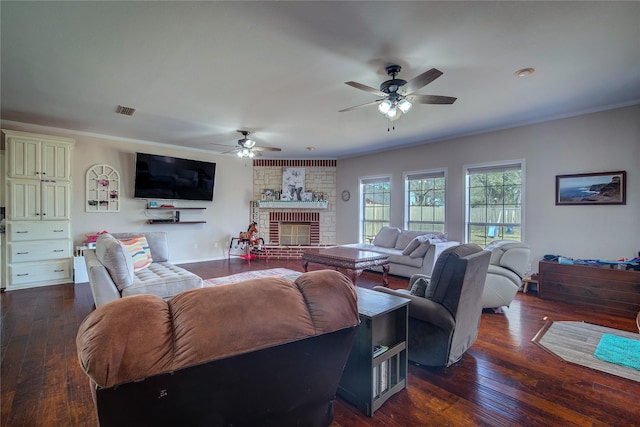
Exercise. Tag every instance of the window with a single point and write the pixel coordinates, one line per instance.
(425, 201)
(494, 197)
(375, 195)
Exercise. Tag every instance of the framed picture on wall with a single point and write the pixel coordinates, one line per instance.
(601, 188)
(292, 183)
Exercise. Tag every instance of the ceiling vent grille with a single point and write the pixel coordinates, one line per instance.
(125, 111)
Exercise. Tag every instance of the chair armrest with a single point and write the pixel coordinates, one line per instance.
(424, 309)
(102, 287)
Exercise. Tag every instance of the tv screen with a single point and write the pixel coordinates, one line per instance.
(164, 177)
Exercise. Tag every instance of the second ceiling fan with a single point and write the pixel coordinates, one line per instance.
(398, 95)
(248, 148)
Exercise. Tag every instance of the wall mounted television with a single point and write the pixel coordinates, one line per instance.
(164, 177)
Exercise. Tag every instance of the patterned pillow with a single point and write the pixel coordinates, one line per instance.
(138, 247)
(419, 287)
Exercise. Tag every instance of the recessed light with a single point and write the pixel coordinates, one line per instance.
(311, 148)
(524, 72)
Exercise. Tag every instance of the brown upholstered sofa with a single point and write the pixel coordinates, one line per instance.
(263, 352)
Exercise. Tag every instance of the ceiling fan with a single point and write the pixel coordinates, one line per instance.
(399, 95)
(247, 147)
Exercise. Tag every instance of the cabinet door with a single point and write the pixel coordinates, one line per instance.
(55, 200)
(24, 158)
(55, 161)
(24, 200)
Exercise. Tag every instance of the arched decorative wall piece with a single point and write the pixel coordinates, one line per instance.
(103, 189)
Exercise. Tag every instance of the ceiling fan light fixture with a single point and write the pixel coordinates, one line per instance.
(249, 143)
(391, 114)
(404, 105)
(385, 106)
(251, 154)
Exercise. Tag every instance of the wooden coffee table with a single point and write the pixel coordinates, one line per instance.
(351, 259)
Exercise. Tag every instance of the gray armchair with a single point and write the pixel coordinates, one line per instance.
(508, 265)
(445, 309)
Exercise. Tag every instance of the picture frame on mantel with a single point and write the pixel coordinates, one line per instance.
(600, 188)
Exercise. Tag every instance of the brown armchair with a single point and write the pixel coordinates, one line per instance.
(445, 309)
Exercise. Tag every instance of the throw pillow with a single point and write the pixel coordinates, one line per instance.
(413, 244)
(138, 247)
(386, 237)
(421, 250)
(419, 287)
(405, 237)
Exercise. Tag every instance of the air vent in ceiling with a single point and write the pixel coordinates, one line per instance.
(125, 111)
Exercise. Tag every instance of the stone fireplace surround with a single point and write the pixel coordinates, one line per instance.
(320, 176)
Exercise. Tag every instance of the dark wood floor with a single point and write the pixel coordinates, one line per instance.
(503, 380)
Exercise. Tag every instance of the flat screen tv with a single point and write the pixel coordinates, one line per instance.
(164, 177)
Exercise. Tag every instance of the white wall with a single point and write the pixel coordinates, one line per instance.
(225, 217)
(598, 142)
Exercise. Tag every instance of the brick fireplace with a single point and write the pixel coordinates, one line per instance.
(277, 219)
(287, 231)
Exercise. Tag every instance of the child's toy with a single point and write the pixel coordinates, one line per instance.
(251, 235)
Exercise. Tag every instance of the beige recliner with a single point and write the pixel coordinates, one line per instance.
(508, 265)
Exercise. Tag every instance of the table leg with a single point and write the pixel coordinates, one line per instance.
(385, 275)
(354, 276)
(305, 265)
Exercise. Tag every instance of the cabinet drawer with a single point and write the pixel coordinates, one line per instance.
(33, 272)
(35, 251)
(38, 230)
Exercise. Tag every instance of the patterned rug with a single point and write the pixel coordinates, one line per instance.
(576, 342)
(257, 274)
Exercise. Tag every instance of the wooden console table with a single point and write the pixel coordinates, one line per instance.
(602, 288)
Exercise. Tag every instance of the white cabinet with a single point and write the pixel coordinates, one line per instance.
(38, 245)
(33, 156)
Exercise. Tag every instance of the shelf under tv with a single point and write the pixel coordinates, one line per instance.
(161, 221)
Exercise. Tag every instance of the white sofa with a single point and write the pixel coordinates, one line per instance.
(410, 252)
(112, 274)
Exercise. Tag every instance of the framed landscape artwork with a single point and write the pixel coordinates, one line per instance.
(602, 188)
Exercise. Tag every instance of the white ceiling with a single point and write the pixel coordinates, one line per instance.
(197, 71)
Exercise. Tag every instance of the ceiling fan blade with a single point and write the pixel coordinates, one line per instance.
(360, 106)
(365, 88)
(420, 81)
(266, 149)
(431, 99)
(235, 150)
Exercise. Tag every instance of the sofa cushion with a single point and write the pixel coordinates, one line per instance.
(414, 244)
(116, 259)
(163, 279)
(387, 237)
(405, 260)
(138, 247)
(405, 237)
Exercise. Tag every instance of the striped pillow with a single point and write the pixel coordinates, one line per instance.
(138, 247)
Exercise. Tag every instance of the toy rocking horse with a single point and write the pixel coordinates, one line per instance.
(251, 235)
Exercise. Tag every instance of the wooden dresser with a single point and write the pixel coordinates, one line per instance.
(601, 287)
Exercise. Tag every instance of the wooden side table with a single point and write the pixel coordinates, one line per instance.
(527, 281)
(369, 380)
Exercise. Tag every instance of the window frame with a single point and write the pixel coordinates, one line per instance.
(427, 173)
(362, 181)
(496, 166)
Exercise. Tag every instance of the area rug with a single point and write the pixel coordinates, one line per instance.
(576, 342)
(620, 350)
(257, 274)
